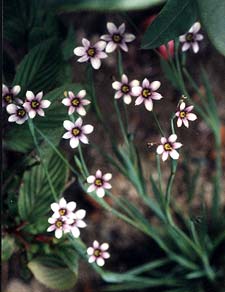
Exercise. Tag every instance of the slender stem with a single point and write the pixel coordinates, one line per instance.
(124, 133)
(157, 123)
(83, 161)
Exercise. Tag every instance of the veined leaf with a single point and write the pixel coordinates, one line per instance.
(212, 18)
(52, 272)
(175, 19)
(8, 247)
(35, 195)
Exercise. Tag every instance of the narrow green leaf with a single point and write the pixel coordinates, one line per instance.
(8, 247)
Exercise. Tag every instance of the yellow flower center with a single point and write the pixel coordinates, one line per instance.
(125, 88)
(91, 52)
(189, 37)
(21, 112)
(62, 212)
(168, 147)
(75, 102)
(8, 98)
(58, 223)
(182, 114)
(98, 182)
(97, 252)
(117, 38)
(76, 132)
(146, 92)
(35, 104)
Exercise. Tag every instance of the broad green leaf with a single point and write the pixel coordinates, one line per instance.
(175, 19)
(8, 247)
(102, 5)
(51, 124)
(35, 195)
(212, 16)
(39, 70)
(53, 273)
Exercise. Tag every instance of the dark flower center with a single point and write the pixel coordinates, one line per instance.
(76, 131)
(98, 182)
(62, 212)
(8, 98)
(91, 52)
(21, 112)
(116, 38)
(97, 252)
(182, 114)
(189, 37)
(146, 92)
(59, 223)
(75, 102)
(35, 104)
(125, 88)
(168, 147)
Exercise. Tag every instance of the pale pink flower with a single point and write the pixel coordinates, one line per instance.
(17, 114)
(76, 102)
(9, 95)
(59, 225)
(34, 104)
(117, 37)
(76, 132)
(77, 222)
(99, 183)
(191, 38)
(168, 147)
(98, 253)
(147, 93)
(63, 209)
(184, 115)
(124, 88)
(92, 53)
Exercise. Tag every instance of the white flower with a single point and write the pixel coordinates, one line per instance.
(92, 53)
(76, 102)
(117, 37)
(17, 114)
(77, 132)
(147, 93)
(99, 183)
(168, 147)
(77, 222)
(34, 104)
(97, 253)
(63, 209)
(184, 115)
(9, 95)
(124, 88)
(191, 38)
(60, 225)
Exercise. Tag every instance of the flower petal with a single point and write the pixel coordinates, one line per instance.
(104, 246)
(81, 224)
(29, 95)
(39, 95)
(182, 106)
(100, 261)
(55, 207)
(81, 93)
(165, 155)
(74, 142)
(107, 176)
(71, 110)
(155, 85)
(96, 244)
(66, 101)
(80, 214)
(100, 192)
(139, 100)
(156, 96)
(91, 179)
(83, 139)
(41, 112)
(107, 186)
(179, 122)
(85, 43)
(172, 138)
(78, 122)
(121, 28)
(98, 174)
(116, 85)
(163, 140)
(110, 47)
(195, 27)
(68, 125)
(81, 111)
(111, 27)
(75, 231)
(105, 255)
(16, 90)
(13, 118)
(191, 116)
(136, 90)
(185, 47)
(124, 79)
(195, 47)
(186, 123)
(177, 145)
(118, 94)
(127, 99)
(148, 104)
(174, 154)
(71, 206)
(106, 37)
(67, 135)
(160, 149)
(79, 51)
(134, 83)
(45, 103)
(32, 113)
(90, 250)
(11, 108)
(85, 58)
(100, 45)
(51, 228)
(96, 63)
(145, 83)
(123, 46)
(87, 129)
(91, 259)
(58, 233)
(129, 37)
(91, 188)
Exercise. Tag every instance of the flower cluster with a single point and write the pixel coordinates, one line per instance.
(93, 53)
(20, 110)
(65, 219)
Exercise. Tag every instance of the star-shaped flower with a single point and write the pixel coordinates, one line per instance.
(117, 38)
(168, 147)
(9, 95)
(76, 102)
(98, 253)
(184, 115)
(99, 183)
(191, 38)
(17, 114)
(92, 53)
(34, 104)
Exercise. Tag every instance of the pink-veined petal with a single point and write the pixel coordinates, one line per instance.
(100, 45)
(32, 113)
(139, 100)
(82, 93)
(124, 79)
(13, 118)
(182, 38)
(71, 110)
(39, 96)
(163, 140)
(134, 83)
(87, 129)
(75, 231)
(104, 246)
(191, 116)
(16, 89)
(106, 37)
(79, 51)
(195, 27)
(96, 244)
(58, 233)
(156, 96)
(96, 63)
(127, 99)
(91, 188)
(21, 121)
(100, 192)
(90, 250)
(185, 47)
(81, 224)
(110, 47)
(105, 255)
(107, 176)
(177, 145)
(186, 123)
(66, 101)
(179, 122)
(29, 95)
(121, 28)
(45, 103)
(100, 261)
(155, 85)
(83, 139)
(91, 179)
(136, 90)
(199, 37)
(5, 89)
(111, 27)
(145, 83)
(107, 186)
(165, 155)
(62, 203)
(172, 138)
(189, 108)
(41, 112)
(80, 214)
(98, 174)
(123, 46)
(182, 106)
(116, 85)
(148, 104)
(85, 43)
(85, 58)
(129, 37)
(11, 108)
(67, 135)
(118, 94)
(51, 228)
(91, 259)
(81, 111)
(78, 122)
(195, 47)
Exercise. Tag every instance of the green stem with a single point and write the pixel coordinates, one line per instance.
(157, 123)
(83, 161)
